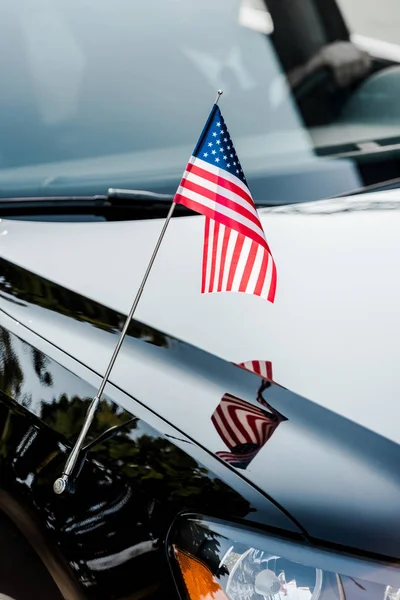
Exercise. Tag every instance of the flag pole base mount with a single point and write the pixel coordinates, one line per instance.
(60, 485)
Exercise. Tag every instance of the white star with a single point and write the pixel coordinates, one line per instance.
(228, 147)
(221, 149)
(222, 131)
(225, 139)
(228, 164)
(234, 163)
(225, 156)
(205, 154)
(210, 144)
(218, 142)
(219, 124)
(217, 160)
(237, 170)
(214, 134)
(214, 152)
(231, 155)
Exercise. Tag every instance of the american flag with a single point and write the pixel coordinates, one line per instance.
(244, 428)
(236, 256)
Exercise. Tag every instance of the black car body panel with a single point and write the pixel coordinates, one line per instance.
(306, 485)
(129, 485)
(80, 114)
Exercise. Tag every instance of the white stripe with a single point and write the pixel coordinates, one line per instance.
(202, 164)
(218, 257)
(220, 208)
(222, 191)
(263, 368)
(244, 257)
(228, 258)
(255, 273)
(249, 365)
(209, 253)
(268, 278)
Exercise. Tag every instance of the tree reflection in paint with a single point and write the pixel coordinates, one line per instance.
(11, 375)
(19, 284)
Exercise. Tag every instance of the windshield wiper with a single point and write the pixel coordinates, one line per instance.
(118, 204)
(382, 186)
(138, 195)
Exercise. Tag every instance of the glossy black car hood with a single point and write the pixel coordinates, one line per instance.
(338, 479)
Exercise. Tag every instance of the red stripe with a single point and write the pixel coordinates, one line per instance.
(269, 370)
(225, 242)
(215, 197)
(214, 256)
(220, 218)
(176, 199)
(261, 277)
(205, 254)
(220, 181)
(234, 261)
(272, 288)
(249, 267)
(256, 367)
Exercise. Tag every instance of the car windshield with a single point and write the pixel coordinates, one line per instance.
(98, 94)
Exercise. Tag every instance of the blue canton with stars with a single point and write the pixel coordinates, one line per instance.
(215, 146)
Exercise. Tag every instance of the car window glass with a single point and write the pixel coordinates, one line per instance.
(115, 94)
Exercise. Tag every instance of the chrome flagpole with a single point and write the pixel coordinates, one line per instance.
(61, 484)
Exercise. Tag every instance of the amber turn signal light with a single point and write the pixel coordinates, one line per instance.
(199, 581)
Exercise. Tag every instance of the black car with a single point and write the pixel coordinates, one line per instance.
(240, 451)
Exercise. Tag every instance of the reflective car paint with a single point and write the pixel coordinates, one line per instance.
(332, 281)
(316, 464)
(108, 533)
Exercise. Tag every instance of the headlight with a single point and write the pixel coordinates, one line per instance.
(217, 561)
